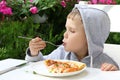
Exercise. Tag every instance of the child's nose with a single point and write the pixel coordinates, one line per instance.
(65, 35)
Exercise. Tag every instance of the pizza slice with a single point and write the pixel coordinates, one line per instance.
(61, 66)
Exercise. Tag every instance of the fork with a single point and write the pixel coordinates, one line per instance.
(45, 41)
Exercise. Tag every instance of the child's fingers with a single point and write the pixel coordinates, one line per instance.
(114, 68)
(105, 67)
(37, 42)
(36, 39)
(108, 67)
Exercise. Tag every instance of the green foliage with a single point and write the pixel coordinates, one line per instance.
(21, 8)
(14, 47)
(45, 4)
(114, 38)
(117, 1)
(20, 24)
(9, 41)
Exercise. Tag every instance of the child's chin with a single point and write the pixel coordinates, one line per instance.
(66, 49)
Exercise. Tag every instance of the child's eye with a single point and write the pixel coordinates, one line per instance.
(72, 31)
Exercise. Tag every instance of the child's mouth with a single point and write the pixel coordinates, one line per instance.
(64, 44)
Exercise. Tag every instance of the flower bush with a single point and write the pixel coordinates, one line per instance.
(102, 2)
(20, 23)
(19, 9)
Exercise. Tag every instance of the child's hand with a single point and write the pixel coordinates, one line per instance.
(108, 67)
(36, 45)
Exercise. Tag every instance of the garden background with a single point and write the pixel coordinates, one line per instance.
(31, 18)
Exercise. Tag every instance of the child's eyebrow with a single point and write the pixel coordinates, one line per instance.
(71, 28)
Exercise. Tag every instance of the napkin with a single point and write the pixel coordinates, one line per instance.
(10, 64)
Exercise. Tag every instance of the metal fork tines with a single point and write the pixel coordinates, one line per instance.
(45, 41)
(52, 43)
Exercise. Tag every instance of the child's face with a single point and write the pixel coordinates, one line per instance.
(74, 37)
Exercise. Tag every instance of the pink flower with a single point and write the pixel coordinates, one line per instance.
(63, 3)
(33, 10)
(94, 1)
(109, 1)
(114, 2)
(3, 4)
(102, 1)
(6, 11)
(31, 0)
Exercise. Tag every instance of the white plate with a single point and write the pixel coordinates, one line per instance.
(40, 68)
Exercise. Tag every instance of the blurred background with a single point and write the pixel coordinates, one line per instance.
(43, 18)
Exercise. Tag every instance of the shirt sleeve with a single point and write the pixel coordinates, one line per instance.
(30, 58)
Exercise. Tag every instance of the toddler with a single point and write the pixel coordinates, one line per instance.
(86, 32)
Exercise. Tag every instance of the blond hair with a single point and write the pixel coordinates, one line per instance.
(75, 15)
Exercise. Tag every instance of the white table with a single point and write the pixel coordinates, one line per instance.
(24, 73)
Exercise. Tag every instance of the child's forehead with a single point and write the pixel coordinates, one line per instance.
(76, 19)
(74, 24)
